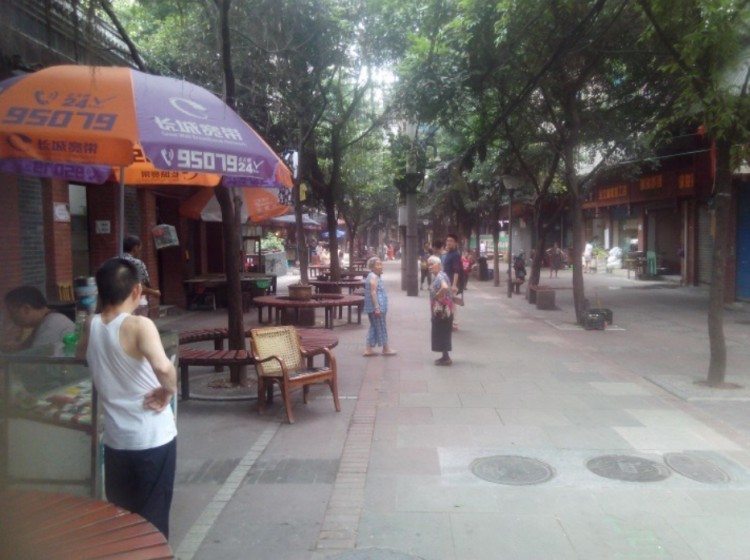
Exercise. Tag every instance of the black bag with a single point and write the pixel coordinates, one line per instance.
(594, 321)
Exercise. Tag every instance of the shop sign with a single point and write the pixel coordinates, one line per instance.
(685, 181)
(613, 192)
(650, 183)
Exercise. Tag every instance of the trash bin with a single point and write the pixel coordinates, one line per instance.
(260, 287)
(484, 273)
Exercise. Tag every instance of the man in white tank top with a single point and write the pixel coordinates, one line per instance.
(135, 381)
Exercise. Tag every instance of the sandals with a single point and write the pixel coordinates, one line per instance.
(390, 353)
(369, 354)
(443, 362)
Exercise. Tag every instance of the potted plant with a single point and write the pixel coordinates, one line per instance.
(300, 291)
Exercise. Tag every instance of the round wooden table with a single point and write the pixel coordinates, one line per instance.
(37, 524)
(328, 302)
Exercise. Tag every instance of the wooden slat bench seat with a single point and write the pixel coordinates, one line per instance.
(217, 358)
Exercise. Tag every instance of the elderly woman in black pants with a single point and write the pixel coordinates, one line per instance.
(441, 310)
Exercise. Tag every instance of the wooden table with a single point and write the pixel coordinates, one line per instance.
(217, 285)
(61, 526)
(314, 269)
(335, 286)
(328, 302)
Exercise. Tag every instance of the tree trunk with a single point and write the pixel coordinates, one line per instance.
(333, 242)
(300, 234)
(496, 250)
(230, 230)
(723, 197)
(230, 213)
(579, 295)
(536, 262)
(352, 231)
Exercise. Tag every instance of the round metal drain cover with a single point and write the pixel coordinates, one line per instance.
(696, 468)
(629, 468)
(512, 469)
(374, 554)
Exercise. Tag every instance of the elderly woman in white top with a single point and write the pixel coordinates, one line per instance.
(376, 306)
(441, 312)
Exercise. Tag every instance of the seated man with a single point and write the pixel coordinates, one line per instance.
(27, 309)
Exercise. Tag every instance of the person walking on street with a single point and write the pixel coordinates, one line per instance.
(588, 253)
(135, 382)
(555, 259)
(132, 248)
(424, 268)
(467, 261)
(441, 312)
(376, 307)
(453, 269)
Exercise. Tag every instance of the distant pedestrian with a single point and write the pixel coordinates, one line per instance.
(588, 253)
(467, 261)
(132, 249)
(451, 264)
(555, 259)
(376, 307)
(424, 268)
(441, 312)
(135, 382)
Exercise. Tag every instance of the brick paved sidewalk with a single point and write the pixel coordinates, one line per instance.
(391, 475)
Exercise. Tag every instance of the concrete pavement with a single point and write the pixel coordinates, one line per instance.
(400, 473)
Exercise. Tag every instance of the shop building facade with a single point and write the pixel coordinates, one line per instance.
(667, 214)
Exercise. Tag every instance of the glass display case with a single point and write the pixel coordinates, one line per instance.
(51, 421)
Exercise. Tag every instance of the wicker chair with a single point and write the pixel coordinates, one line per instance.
(279, 358)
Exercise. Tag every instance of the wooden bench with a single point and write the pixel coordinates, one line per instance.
(205, 335)
(217, 358)
(313, 342)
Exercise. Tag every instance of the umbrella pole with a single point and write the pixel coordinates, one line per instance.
(121, 211)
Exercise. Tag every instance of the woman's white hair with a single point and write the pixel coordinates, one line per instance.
(434, 259)
(371, 262)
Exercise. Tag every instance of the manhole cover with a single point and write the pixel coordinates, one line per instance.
(375, 554)
(629, 468)
(512, 469)
(696, 468)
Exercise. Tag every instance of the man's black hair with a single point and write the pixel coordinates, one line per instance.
(130, 243)
(25, 295)
(452, 236)
(115, 280)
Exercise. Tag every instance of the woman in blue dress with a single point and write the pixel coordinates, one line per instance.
(376, 306)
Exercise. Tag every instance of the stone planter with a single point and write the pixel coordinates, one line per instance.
(300, 292)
